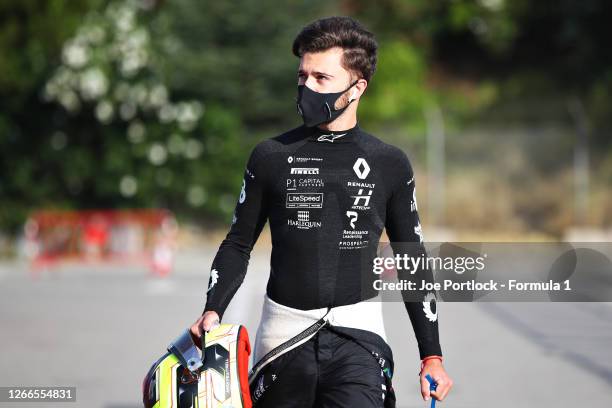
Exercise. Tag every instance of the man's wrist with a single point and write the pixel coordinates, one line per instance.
(435, 359)
(209, 309)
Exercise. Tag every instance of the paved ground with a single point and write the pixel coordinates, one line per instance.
(99, 329)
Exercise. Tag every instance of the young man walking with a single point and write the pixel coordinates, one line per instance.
(327, 188)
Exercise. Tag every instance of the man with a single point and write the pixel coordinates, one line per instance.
(328, 189)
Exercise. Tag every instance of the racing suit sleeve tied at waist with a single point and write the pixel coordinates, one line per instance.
(280, 323)
(283, 328)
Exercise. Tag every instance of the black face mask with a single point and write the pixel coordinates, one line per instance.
(316, 108)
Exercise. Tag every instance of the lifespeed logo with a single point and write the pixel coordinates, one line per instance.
(304, 200)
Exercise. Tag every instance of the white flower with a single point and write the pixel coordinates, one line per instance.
(93, 83)
(136, 132)
(75, 55)
(157, 154)
(193, 149)
(128, 186)
(196, 196)
(104, 111)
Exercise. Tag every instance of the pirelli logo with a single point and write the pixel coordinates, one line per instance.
(304, 170)
(304, 200)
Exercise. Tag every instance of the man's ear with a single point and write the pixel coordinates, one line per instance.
(354, 94)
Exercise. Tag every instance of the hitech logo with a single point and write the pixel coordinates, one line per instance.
(359, 197)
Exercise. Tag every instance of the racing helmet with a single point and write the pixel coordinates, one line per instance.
(184, 377)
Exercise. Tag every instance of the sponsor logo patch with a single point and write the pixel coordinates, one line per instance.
(304, 200)
(304, 170)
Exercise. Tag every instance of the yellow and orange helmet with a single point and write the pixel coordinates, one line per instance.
(184, 377)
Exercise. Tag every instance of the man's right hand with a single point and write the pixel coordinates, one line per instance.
(208, 321)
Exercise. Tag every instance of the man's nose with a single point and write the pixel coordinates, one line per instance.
(311, 83)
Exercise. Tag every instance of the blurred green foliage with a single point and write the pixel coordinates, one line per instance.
(141, 104)
(157, 103)
(525, 53)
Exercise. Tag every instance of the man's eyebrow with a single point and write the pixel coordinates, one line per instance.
(301, 71)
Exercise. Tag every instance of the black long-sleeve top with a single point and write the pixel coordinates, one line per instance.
(327, 196)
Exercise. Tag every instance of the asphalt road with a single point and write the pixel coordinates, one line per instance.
(100, 328)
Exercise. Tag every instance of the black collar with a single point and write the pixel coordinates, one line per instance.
(319, 135)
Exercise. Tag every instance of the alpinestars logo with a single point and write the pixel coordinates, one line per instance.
(361, 197)
(214, 277)
(362, 168)
(329, 138)
(352, 218)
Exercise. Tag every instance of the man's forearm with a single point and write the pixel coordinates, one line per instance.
(421, 305)
(227, 274)
(426, 332)
(232, 259)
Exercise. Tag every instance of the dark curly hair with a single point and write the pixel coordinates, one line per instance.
(359, 44)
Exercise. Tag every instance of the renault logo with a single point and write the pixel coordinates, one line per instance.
(361, 167)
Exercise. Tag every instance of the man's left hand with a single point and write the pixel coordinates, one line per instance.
(435, 369)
